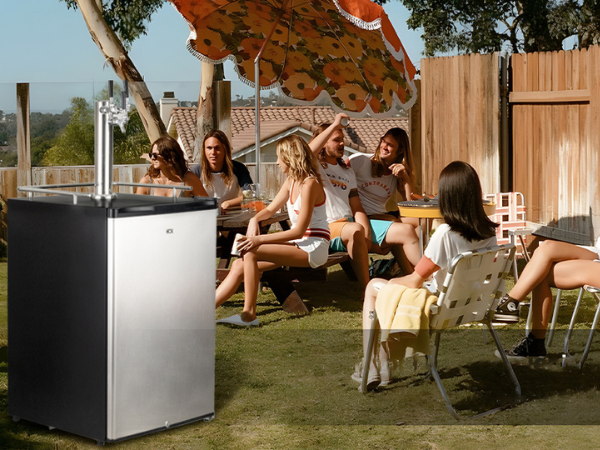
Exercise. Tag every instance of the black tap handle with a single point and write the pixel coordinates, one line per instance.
(110, 89)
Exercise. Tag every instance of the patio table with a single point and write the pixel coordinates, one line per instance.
(430, 209)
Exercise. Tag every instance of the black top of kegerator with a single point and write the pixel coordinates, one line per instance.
(127, 205)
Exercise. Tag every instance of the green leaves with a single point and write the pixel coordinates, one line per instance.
(75, 144)
(128, 18)
(485, 26)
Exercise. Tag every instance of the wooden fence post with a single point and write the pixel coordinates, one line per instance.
(414, 125)
(23, 137)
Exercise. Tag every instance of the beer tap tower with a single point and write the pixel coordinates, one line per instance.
(110, 304)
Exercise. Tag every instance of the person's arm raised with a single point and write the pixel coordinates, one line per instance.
(319, 142)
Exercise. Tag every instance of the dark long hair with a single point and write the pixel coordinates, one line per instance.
(461, 202)
(171, 152)
(321, 155)
(403, 155)
(227, 169)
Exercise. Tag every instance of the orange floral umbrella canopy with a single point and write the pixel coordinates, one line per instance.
(345, 51)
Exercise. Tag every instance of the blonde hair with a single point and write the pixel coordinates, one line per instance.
(296, 154)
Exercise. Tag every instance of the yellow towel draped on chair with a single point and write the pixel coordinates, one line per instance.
(404, 313)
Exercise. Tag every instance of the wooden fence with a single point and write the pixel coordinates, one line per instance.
(554, 119)
(555, 102)
(460, 105)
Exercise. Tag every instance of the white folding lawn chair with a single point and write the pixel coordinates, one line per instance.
(594, 291)
(471, 290)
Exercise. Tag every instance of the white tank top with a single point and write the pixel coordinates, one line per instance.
(318, 226)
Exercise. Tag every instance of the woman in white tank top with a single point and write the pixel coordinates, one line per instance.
(306, 244)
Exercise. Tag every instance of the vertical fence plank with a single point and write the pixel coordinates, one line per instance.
(556, 145)
(23, 136)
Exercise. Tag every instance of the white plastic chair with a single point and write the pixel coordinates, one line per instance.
(594, 291)
(472, 288)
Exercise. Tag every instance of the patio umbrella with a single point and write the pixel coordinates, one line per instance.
(342, 52)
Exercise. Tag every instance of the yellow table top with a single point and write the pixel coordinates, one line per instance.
(433, 211)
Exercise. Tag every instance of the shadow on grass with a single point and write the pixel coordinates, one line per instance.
(477, 382)
(302, 377)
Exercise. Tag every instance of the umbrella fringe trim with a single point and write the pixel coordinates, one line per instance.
(375, 25)
(190, 47)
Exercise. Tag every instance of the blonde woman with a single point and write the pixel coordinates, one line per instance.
(306, 244)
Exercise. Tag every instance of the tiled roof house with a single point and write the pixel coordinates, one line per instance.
(362, 135)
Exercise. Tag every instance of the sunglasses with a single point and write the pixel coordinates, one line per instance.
(153, 155)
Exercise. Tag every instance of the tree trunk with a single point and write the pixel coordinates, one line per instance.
(205, 120)
(111, 47)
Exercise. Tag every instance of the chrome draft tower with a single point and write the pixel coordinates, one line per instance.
(106, 115)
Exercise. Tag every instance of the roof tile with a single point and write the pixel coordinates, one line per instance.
(362, 134)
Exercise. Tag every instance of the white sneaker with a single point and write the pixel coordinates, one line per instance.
(237, 321)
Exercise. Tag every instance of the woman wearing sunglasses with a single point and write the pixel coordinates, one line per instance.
(169, 168)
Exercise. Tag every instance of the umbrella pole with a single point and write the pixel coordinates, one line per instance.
(257, 92)
(257, 120)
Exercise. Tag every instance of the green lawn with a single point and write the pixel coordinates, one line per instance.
(287, 385)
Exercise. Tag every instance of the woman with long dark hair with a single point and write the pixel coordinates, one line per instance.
(466, 227)
(381, 174)
(169, 168)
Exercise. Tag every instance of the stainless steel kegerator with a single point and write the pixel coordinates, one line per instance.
(111, 322)
(111, 314)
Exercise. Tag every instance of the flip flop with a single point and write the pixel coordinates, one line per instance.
(237, 321)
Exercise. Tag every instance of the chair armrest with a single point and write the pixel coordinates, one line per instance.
(521, 232)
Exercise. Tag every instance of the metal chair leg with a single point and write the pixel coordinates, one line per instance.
(368, 353)
(565, 353)
(438, 381)
(432, 361)
(594, 325)
(436, 346)
(505, 360)
(554, 318)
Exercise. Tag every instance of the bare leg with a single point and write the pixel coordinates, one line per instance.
(251, 278)
(413, 221)
(278, 254)
(353, 238)
(368, 306)
(563, 275)
(405, 235)
(231, 282)
(543, 258)
(234, 278)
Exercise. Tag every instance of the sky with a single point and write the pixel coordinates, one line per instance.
(49, 46)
